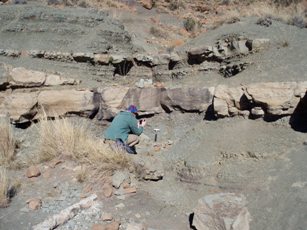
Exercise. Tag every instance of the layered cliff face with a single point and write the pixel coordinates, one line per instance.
(225, 104)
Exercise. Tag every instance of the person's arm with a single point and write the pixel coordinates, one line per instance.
(135, 128)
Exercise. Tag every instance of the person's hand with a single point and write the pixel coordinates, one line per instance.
(142, 122)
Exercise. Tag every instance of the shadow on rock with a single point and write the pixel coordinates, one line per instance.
(298, 120)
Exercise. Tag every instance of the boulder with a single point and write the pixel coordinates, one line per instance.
(119, 177)
(275, 98)
(61, 102)
(149, 168)
(187, 99)
(228, 100)
(146, 99)
(111, 101)
(102, 59)
(53, 79)
(222, 211)
(19, 106)
(21, 77)
(259, 43)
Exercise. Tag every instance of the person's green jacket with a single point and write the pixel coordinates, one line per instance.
(123, 124)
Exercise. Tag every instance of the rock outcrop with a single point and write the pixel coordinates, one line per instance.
(27, 94)
(223, 211)
(271, 99)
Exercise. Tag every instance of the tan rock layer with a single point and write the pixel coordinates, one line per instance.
(273, 98)
(260, 99)
(24, 78)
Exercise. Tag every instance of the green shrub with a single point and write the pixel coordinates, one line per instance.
(189, 24)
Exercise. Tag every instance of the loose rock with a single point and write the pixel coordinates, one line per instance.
(33, 171)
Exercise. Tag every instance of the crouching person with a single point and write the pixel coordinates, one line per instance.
(125, 129)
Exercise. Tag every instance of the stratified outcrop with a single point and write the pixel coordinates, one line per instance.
(26, 94)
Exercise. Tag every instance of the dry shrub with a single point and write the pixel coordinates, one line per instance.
(4, 188)
(189, 24)
(157, 32)
(7, 143)
(286, 14)
(75, 141)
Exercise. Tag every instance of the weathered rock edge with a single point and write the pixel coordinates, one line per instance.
(163, 66)
(273, 99)
(65, 215)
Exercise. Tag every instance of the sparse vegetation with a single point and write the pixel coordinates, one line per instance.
(189, 24)
(81, 174)
(175, 4)
(4, 188)
(286, 2)
(157, 32)
(7, 143)
(64, 137)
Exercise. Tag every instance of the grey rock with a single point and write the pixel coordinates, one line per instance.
(119, 177)
(222, 211)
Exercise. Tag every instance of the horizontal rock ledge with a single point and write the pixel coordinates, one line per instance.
(253, 101)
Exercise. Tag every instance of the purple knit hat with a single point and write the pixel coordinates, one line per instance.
(132, 109)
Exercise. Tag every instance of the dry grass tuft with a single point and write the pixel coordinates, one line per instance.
(7, 143)
(4, 188)
(75, 141)
(81, 174)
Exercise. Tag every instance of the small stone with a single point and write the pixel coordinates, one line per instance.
(138, 215)
(55, 162)
(107, 217)
(120, 206)
(107, 190)
(125, 185)
(129, 190)
(119, 177)
(34, 203)
(33, 171)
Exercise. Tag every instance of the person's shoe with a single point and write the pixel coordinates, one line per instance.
(120, 145)
(130, 149)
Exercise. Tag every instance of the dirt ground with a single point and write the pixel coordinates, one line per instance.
(264, 161)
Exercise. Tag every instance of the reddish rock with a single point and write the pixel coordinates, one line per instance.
(34, 203)
(148, 4)
(129, 190)
(107, 190)
(33, 171)
(98, 227)
(107, 217)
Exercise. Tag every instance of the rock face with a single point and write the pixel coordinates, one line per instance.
(25, 95)
(188, 99)
(223, 211)
(43, 30)
(25, 78)
(272, 99)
